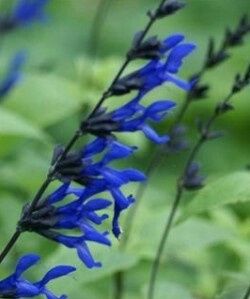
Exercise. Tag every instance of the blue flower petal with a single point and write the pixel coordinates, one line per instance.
(152, 135)
(172, 41)
(176, 56)
(95, 147)
(86, 257)
(25, 263)
(56, 272)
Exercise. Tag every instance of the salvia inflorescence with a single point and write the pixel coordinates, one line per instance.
(73, 213)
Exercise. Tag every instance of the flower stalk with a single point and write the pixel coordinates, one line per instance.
(188, 175)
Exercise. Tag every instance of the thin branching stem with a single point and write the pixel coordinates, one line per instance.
(159, 154)
(177, 200)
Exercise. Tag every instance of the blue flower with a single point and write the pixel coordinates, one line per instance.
(131, 117)
(15, 286)
(60, 223)
(13, 74)
(158, 71)
(28, 11)
(98, 176)
(56, 222)
(23, 14)
(105, 178)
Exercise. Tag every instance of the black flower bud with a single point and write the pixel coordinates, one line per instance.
(148, 49)
(127, 84)
(198, 90)
(100, 124)
(192, 179)
(214, 57)
(69, 168)
(240, 82)
(169, 8)
(42, 217)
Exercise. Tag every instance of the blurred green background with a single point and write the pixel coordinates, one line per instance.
(208, 255)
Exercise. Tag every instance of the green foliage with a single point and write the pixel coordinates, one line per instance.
(229, 189)
(208, 253)
(13, 124)
(45, 99)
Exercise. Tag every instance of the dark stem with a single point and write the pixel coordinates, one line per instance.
(39, 195)
(158, 151)
(9, 245)
(247, 295)
(163, 240)
(179, 192)
(118, 285)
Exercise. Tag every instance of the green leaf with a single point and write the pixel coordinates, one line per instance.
(8, 220)
(44, 99)
(234, 290)
(12, 124)
(188, 235)
(229, 189)
(17, 172)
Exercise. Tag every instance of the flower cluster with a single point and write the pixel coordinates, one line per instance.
(87, 173)
(73, 214)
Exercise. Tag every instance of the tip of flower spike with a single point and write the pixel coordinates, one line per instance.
(169, 8)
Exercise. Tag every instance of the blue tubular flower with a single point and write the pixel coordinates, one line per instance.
(131, 117)
(158, 71)
(28, 11)
(15, 286)
(78, 216)
(96, 176)
(13, 74)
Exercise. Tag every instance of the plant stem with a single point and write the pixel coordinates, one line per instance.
(9, 245)
(157, 156)
(39, 195)
(164, 238)
(118, 285)
(179, 192)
